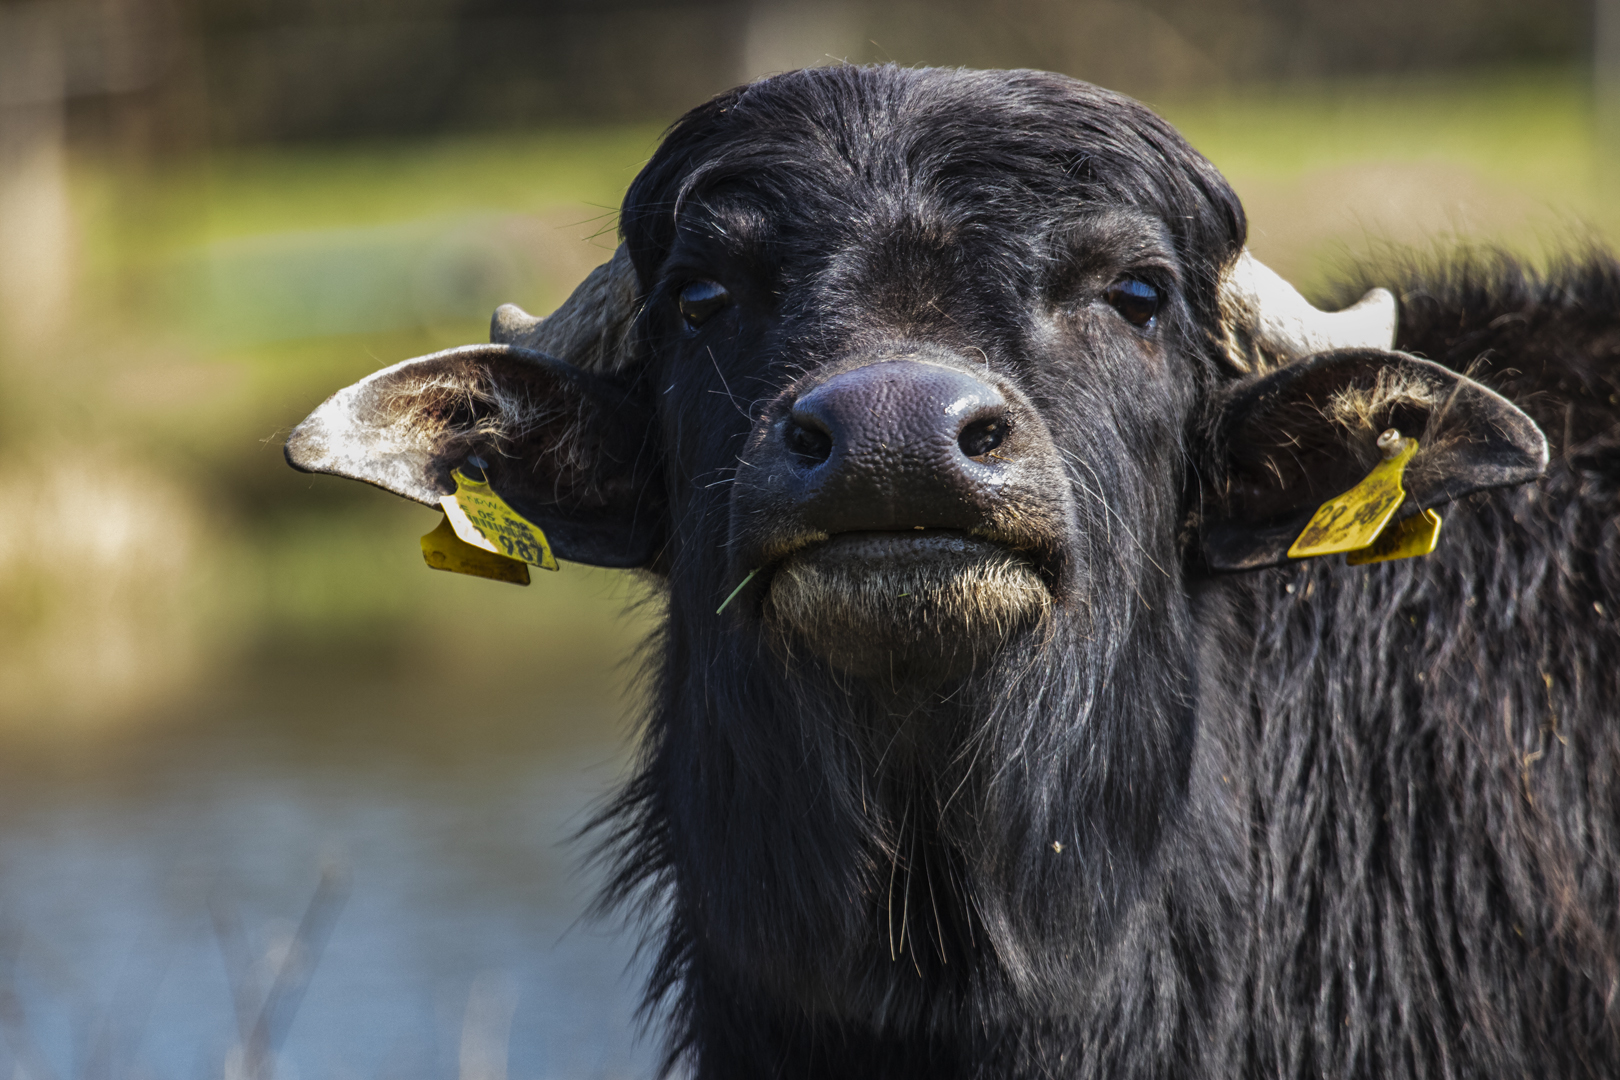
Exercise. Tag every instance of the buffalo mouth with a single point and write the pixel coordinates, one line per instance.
(905, 604)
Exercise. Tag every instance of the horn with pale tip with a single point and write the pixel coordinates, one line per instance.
(592, 328)
(1265, 314)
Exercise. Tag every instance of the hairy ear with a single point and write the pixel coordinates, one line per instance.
(568, 450)
(1286, 442)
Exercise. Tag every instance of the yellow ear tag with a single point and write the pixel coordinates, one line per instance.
(481, 518)
(444, 550)
(1353, 520)
(1415, 536)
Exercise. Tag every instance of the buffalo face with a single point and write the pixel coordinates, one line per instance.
(910, 373)
(923, 407)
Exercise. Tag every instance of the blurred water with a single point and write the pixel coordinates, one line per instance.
(464, 904)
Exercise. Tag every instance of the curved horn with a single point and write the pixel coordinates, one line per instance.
(1265, 317)
(591, 330)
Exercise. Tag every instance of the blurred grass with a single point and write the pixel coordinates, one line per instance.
(1335, 172)
(219, 299)
(196, 342)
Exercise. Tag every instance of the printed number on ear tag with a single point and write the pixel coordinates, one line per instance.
(1415, 536)
(1353, 520)
(481, 518)
(444, 550)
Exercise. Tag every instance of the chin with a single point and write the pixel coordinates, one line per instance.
(905, 606)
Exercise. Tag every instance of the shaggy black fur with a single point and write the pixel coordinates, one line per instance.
(1312, 821)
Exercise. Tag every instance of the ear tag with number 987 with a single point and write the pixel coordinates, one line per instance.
(481, 518)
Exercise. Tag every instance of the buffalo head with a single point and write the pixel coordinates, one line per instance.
(932, 370)
(933, 398)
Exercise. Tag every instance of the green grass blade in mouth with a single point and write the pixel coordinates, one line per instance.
(737, 590)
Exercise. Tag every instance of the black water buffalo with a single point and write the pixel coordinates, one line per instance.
(1019, 744)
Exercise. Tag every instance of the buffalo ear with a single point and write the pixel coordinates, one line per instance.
(571, 451)
(1286, 442)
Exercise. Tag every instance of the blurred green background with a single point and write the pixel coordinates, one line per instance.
(214, 213)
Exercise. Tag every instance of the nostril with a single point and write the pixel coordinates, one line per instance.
(810, 446)
(982, 436)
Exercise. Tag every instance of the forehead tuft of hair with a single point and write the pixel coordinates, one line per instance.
(1032, 145)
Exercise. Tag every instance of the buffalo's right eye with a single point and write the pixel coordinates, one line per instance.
(699, 301)
(1136, 300)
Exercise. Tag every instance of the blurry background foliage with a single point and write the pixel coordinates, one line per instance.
(214, 213)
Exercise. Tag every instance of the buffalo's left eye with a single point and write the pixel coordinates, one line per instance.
(1136, 300)
(699, 301)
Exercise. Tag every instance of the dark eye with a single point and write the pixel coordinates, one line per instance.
(1136, 300)
(701, 300)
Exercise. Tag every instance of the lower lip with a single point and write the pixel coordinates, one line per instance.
(892, 548)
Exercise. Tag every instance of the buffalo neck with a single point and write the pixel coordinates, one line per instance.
(968, 834)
